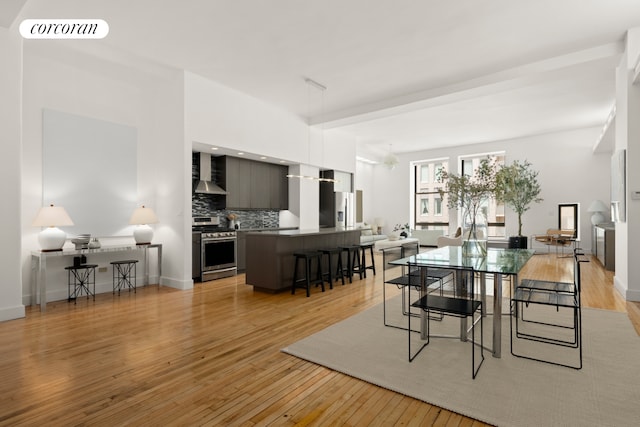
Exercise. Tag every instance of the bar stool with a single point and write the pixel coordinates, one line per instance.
(80, 278)
(339, 270)
(354, 264)
(124, 274)
(366, 267)
(306, 281)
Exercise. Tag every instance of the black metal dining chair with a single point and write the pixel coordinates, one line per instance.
(402, 277)
(549, 313)
(464, 305)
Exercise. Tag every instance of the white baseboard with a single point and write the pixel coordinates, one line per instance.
(626, 293)
(10, 313)
(177, 284)
(61, 294)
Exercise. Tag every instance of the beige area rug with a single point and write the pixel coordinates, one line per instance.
(507, 392)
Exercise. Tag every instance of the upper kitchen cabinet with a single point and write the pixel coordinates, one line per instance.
(256, 185)
(238, 184)
(260, 185)
(279, 184)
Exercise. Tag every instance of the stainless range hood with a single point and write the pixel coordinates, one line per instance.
(206, 185)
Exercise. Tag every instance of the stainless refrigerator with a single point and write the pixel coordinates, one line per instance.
(344, 210)
(336, 208)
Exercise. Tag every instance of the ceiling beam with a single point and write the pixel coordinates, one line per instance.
(530, 74)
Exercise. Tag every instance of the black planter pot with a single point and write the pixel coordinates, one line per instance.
(518, 242)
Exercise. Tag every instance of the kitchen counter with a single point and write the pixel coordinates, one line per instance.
(269, 254)
(310, 232)
(262, 229)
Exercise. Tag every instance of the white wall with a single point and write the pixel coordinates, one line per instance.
(364, 179)
(123, 91)
(11, 306)
(568, 172)
(627, 272)
(221, 116)
(218, 115)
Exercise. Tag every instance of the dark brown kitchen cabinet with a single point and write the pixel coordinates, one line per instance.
(260, 185)
(279, 185)
(241, 251)
(255, 185)
(238, 184)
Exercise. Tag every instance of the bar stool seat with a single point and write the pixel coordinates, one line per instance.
(80, 279)
(330, 252)
(124, 275)
(306, 281)
(366, 267)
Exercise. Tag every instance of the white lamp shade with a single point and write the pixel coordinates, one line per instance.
(597, 206)
(52, 238)
(143, 215)
(143, 234)
(52, 216)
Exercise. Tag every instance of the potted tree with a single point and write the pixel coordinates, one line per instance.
(469, 193)
(517, 186)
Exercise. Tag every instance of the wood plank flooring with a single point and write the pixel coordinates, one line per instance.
(211, 356)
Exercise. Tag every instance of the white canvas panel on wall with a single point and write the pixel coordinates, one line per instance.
(90, 169)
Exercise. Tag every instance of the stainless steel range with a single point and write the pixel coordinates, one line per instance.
(218, 249)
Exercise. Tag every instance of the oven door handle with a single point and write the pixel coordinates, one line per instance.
(218, 239)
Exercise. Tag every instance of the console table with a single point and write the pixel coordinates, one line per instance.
(604, 246)
(39, 266)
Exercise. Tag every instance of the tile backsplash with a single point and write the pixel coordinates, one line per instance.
(213, 205)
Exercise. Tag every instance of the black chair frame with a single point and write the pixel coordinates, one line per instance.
(561, 295)
(406, 281)
(463, 306)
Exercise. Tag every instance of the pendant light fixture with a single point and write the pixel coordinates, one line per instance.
(390, 160)
(322, 88)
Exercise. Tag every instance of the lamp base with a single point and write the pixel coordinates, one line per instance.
(51, 239)
(597, 218)
(143, 234)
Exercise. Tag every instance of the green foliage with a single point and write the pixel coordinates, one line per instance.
(517, 186)
(468, 192)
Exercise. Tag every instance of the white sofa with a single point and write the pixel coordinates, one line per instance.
(367, 236)
(427, 237)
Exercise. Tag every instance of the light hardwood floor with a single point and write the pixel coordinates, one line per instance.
(211, 356)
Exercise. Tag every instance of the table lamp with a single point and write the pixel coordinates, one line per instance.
(596, 208)
(142, 217)
(51, 217)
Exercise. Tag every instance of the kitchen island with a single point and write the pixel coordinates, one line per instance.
(269, 254)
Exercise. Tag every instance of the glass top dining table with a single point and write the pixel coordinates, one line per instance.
(498, 261)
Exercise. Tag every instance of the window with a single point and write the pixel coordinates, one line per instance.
(429, 206)
(437, 208)
(424, 174)
(424, 207)
(438, 168)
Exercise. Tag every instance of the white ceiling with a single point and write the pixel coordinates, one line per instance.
(412, 73)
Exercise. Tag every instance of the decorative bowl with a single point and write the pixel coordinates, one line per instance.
(81, 241)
